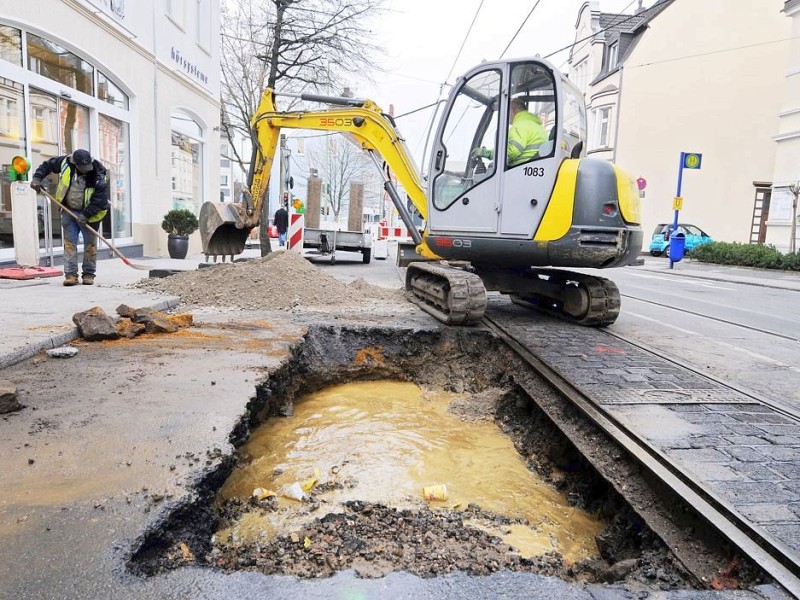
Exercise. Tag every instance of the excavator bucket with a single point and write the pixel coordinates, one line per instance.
(223, 231)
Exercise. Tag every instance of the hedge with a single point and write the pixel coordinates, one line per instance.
(745, 255)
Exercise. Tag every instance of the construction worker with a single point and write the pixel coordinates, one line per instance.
(525, 134)
(82, 188)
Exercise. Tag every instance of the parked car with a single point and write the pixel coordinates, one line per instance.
(659, 244)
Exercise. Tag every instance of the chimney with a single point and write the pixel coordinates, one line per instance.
(641, 8)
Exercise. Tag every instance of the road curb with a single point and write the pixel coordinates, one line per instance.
(54, 341)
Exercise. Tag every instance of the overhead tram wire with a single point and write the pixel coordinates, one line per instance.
(466, 37)
(520, 28)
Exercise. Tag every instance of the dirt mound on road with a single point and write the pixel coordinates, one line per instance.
(279, 281)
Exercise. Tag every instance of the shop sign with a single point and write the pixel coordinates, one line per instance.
(188, 66)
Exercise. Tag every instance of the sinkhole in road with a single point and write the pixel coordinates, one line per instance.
(357, 423)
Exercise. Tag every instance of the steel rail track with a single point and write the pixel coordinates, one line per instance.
(772, 555)
(718, 319)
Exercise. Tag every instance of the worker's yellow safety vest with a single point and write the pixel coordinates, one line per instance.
(63, 185)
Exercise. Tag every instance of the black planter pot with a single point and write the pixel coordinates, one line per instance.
(178, 246)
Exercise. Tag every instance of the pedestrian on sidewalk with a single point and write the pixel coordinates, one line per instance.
(82, 188)
(281, 224)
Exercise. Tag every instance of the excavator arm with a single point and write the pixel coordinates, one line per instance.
(224, 227)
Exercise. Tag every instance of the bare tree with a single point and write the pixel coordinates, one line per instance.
(297, 45)
(339, 162)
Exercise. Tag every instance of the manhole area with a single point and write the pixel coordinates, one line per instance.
(387, 451)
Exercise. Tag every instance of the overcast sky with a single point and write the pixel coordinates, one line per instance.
(422, 39)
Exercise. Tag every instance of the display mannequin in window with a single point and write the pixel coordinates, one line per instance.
(83, 188)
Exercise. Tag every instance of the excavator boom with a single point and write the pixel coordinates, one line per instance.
(225, 227)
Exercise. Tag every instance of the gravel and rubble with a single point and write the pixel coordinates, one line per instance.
(278, 281)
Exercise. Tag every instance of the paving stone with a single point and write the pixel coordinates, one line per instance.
(745, 440)
(702, 455)
(756, 471)
(742, 429)
(788, 470)
(715, 472)
(752, 492)
(708, 418)
(787, 533)
(761, 418)
(745, 454)
(781, 453)
(709, 441)
(768, 513)
(772, 592)
(689, 408)
(787, 440)
(792, 429)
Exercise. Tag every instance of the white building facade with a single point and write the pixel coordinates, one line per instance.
(135, 83)
(778, 210)
(653, 91)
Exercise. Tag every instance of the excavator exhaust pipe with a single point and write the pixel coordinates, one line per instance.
(223, 229)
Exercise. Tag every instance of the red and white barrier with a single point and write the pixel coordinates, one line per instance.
(295, 232)
(391, 233)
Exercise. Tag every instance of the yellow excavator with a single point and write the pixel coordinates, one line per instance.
(503, 211)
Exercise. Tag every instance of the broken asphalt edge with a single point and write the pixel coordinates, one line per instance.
(54, 341)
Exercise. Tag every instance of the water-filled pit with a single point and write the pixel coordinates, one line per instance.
(357, 424)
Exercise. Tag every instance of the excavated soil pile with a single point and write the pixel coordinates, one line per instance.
(279, 281)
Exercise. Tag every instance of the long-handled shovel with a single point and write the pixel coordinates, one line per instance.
(107, 243)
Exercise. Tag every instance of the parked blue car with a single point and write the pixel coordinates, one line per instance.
(695, 236)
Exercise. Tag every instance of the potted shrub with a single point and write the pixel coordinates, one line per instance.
(179, 223)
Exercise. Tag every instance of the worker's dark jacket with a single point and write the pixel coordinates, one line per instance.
(95, 199)
(281, 220)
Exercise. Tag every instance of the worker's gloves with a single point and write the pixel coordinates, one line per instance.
(36, 185)
(80, 218)
(481, 153)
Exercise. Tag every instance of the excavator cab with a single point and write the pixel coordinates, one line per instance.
(506, 130)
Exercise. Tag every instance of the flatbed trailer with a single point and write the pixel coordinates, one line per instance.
(326, 242)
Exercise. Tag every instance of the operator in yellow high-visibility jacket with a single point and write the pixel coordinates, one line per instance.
(525, 134)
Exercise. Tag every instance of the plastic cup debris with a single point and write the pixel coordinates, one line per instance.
(435, 492)
(294, 491)
(261, 493)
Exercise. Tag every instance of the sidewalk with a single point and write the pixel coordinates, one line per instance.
(37, 313)
(786, 280)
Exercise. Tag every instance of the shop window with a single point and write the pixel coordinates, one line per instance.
(54, 62)
(115, 156)
(12, 142)
(11, 45)
(108, 91)
(187, 160)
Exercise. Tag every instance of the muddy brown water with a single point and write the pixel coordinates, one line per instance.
(386, 440)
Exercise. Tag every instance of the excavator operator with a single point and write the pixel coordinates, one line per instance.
(525, 134)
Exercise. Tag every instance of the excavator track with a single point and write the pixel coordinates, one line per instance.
(582, 299)
(452, 295)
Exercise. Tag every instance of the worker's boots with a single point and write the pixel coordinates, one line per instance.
(88, 279)
(71, 280)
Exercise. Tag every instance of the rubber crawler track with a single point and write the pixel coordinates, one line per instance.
(603, 295)
(452, 295)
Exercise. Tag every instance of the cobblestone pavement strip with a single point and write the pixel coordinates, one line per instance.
(743, 451)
